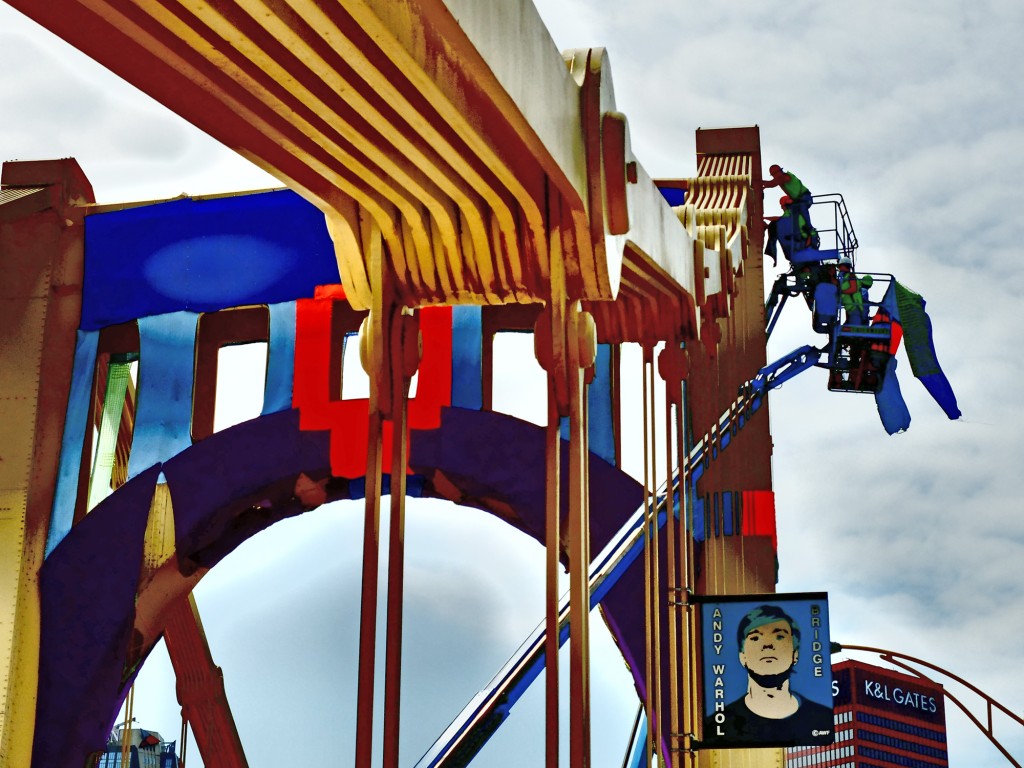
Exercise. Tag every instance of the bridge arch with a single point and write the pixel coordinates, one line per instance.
(99, 621)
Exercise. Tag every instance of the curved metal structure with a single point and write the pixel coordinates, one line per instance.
(900, 660)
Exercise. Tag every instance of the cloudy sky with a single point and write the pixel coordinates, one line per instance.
(914, 111)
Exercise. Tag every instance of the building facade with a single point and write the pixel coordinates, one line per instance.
(882, 718)
(146, 749)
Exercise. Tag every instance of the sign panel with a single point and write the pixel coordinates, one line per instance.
(892, 693)
(766, 670)
(842, 688)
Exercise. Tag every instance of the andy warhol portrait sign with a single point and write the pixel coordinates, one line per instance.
(767, 675)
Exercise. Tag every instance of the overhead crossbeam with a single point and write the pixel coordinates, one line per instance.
(425, 117)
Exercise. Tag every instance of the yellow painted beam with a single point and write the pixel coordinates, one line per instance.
(40, 303)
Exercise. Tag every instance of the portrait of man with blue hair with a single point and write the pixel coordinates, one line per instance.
(771, 711)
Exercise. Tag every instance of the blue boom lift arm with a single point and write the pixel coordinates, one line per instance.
(489, 708)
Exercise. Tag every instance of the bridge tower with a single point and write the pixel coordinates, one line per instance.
(442, 187)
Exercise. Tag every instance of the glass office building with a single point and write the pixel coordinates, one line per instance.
(882, 718)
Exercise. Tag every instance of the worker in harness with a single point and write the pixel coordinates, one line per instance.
(884, 347)
(852, 292)
(880, 348)
(800, 196)
(792, 229)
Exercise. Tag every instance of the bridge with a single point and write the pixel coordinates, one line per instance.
(450, 175)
